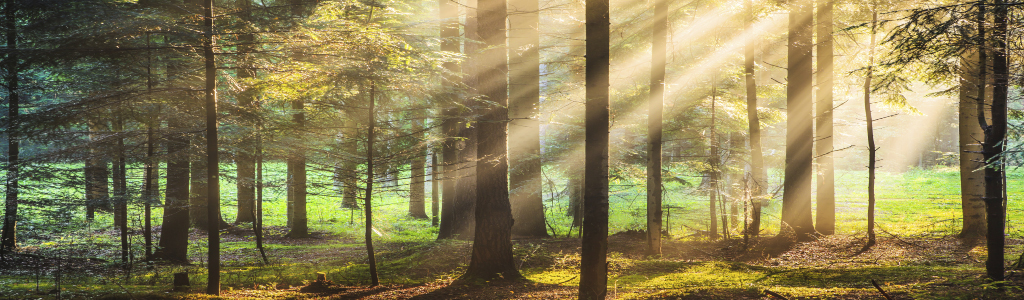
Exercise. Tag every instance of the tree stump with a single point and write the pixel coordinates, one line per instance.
(181, 282)
(321, 277)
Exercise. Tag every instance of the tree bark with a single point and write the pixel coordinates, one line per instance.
(245, 160)
(758, 174)
(121, 191)
(213, 162)
(593, 263)
(491, 258)
(434, 188)
(9, 235)
(872, 150)
(449, 31)
(655, 104)
(713, 162)
(972, 181)
(368, 203)
(992, 149)
(418, 184)
(524, 104)
(823, 142)
(796, 201)
(97, 174)
(174, 232)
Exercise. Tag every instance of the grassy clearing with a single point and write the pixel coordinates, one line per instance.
(918, 208)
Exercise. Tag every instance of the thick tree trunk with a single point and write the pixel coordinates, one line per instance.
(464, 206)
(492, 244)
(97, 173)
(796, 201)
(297, 162)
(655, 104)
(823, 142)
(9, 235)
(417, 186)
(174, 232)
(524, 105)
(593, 266)
(199, 190)
(972, 182)
(758, 175)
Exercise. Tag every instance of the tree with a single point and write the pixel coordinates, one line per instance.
(449, 32)
(823, 141)
(9, 236)
(758, 174)
(174, 232)
(368, 203)
(872, 150)
(245, 162)
(593, 267)
(491, 258)
(796, 201)
(417, 181)
(524, 106)
(972, 184)
(655, 106)
(995, 134)
(213, 162)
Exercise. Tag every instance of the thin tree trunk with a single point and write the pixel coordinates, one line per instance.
(995, 134)
(150, 192)
(796, 201)
(368, 204)
(713, 171)
(593, 266)
(120, 192)
(434, 186)
(655, 104)
(213, 161)
(9, 237)
(872, 150)
(257, 224)
(823, 142)
(758, 174)
(524, 104)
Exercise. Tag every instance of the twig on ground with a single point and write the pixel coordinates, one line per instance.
(880, 290)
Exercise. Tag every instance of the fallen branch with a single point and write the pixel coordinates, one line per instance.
(773, 294)
(880, 290)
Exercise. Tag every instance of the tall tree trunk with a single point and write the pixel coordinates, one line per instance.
(199, 190)
(593, 266)
(449, 31)
(299, 226)
(174, 232)
(524, 104)
(758, 174)
(492, 243)
(655, 104)
(150, 191)
(872, 150)
(245, 162)
(434, 188)
(417, 184)
(121, 191)
(713, 162)
(9, 236)
(213, 161)
(97, 174)
(368, 203)
(796, 201)
(347, 174)
(992, 148)
(823, 142)
(972, 181)
(735, 179)
(464, 207)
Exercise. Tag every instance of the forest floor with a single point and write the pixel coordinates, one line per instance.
(830, 267)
